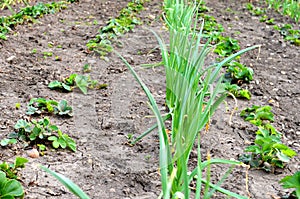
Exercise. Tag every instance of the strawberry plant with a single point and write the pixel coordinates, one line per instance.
(237, 91)
(40, 132)
(258, 114)
(256, 11)
(10, 188)
(267, 152)
(226, 46)
(289, 33)
(238, 73)
(42, 105)
(82, 82)
(11, 170)
(292, 182)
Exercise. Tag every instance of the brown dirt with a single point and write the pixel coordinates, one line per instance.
(104, 165)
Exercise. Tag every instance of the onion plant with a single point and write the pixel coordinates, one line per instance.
(193, 92)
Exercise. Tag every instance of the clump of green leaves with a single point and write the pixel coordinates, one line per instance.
(42, 105)
(126, 21)
(267, 152)
(83, 82)
(211, 28)
(238, 73)
(10, 188)
(28, 14)
(11, 170)
(87, 68)
(237, 91)
(258, 115)
(40, 132)
(227, 46)
(289, 33)
(292, 182)
(256, 11)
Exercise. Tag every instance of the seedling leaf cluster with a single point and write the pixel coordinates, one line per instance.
(39, 132)
(83, 82)
(292, 182)
(268, 151)
(10, 187)
(42, 105)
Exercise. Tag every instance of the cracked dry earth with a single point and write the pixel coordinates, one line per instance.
(104, 166)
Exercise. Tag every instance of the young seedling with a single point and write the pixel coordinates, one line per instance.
(10, 188)
(87, 68)
(11, 170)
(82, 82)
(42, 105)
(47, 54)
(40, 132)
(267, 152)
(292, 182)
(27, 14)
(238, 73)
(289, 33)
(227, 46)
(237, 91)
(258, 115)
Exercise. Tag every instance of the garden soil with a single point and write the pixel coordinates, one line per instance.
(104, 165)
